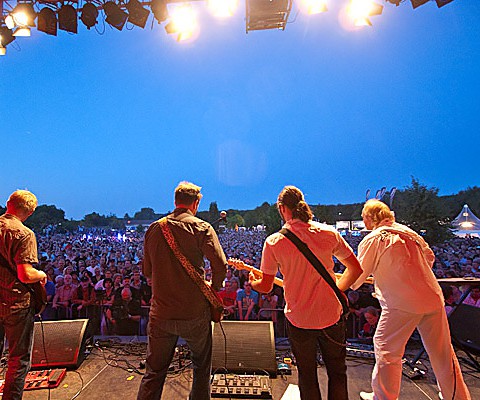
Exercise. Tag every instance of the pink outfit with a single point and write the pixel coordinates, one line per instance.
(410, 296)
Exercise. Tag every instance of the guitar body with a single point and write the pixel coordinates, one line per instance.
(38, 297)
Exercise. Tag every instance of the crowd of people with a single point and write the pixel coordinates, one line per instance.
(98, 274)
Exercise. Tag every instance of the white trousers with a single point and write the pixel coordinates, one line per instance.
(393, 331)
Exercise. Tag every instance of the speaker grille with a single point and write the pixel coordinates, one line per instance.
(465, 326)
(61, 344)
(250, 347)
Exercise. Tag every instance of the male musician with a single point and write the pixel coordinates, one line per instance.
(178, 307)
(312, 309)
(18, 251)
(401, 263)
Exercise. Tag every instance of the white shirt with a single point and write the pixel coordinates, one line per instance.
(401, 263)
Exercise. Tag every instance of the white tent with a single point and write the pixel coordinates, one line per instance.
(466, 223)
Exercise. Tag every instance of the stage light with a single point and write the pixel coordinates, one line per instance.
(315, 6)
(418, 3)
(22, 15)
(67, 18)
(116, 17)
(267, 14)
(441, 3)
(360, 10)
(6, 36)
(89, 15)
(222, 8)
(137, 15)
(47, 21)
(22, 31)
(182, 21)
(3, 51)
(159, 10)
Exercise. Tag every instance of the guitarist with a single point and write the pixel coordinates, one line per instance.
(18, 251)
(312, 309)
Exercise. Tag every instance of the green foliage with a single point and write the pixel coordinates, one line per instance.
(420, 208)
(146, 213)
(140, 229)
(94, 220)
(235, 219)
(3, 210)
(213, 213)
(45, 215)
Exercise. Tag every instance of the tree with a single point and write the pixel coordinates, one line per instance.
(235, 219)
(213, 213)
(146, 214)
(418, 207)
(45, 215)
(95, 220)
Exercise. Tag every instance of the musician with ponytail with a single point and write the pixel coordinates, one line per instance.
(313, 310)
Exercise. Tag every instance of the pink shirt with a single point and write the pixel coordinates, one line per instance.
(310, 303)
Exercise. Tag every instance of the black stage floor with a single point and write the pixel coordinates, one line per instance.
(112, 370)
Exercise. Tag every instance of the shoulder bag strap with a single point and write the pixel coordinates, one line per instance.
(206, 289)
(317, 264)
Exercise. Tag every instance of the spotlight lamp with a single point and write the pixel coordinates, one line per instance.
(89, 15)
(159, 10)
(361, 11)
(23, 15)
(116, 17)
(6, 36)
(47, 21)
(441, 3)
(67, 18)
(137, 15)
(418, 3)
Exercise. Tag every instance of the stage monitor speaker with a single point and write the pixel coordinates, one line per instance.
(465, 327)
(250, 347)
(59, 344)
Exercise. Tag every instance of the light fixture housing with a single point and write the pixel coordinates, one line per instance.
(159, 10)
(137, 15)
(418, 3)
(67, 18)
(47, 21)
(22, 31)
(6, 36)
(116, 17)
(89, 15)
(441, 3)
(23, 15)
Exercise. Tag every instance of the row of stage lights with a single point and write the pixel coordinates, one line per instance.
(180, 18)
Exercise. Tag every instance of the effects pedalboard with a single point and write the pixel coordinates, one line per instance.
(42, 379)
(241, 386)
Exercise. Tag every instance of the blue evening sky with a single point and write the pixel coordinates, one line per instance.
(111, 123)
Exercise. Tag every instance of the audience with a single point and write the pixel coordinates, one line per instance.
(96, 268)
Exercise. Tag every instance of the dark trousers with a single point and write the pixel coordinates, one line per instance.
(162, 339)
(304, 347)
(18, 329)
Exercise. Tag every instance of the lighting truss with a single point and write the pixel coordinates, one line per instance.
(64, 14)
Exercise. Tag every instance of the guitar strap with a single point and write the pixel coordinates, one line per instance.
(317, 264)
(206, 289)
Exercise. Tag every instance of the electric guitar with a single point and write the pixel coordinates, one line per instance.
(239, 264)
(38, 297)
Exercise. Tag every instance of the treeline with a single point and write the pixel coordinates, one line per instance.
(416, 205)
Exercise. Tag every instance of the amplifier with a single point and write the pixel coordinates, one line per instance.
(233, 386)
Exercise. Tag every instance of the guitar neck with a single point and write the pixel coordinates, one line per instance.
(241, 265)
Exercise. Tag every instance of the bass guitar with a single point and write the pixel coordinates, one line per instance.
(239, 264)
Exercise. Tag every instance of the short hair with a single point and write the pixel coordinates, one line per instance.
(377, 211)
(23, 201)
(292, 198)
(371, 310)
(187, 193)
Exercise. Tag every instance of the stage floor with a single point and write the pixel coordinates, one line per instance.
(112, 370)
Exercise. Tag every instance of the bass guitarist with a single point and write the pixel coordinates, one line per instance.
(18, 251)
